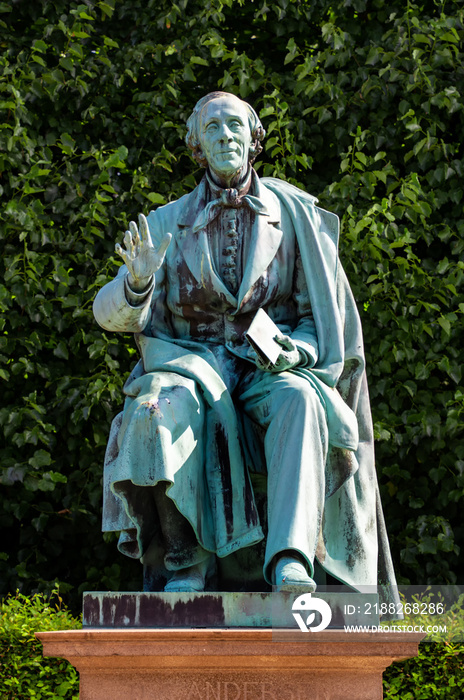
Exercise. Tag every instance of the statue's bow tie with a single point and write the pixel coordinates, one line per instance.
(228, 198)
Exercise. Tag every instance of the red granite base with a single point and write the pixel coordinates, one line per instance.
(228, 664)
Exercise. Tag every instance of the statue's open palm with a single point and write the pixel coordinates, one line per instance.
(139, 254)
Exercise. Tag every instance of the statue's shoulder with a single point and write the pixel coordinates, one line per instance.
(171, 210)
(285, 190)
(169, 217)
(179, 213)
(324, 222)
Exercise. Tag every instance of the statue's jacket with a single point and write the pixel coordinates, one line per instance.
(176, 321)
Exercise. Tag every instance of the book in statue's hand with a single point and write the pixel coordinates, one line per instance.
(261, 335)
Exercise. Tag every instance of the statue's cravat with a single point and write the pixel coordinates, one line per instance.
(228, 198)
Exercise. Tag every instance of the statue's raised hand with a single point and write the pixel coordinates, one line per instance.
(139, 254)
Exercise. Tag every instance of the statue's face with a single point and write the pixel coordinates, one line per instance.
(225, 137)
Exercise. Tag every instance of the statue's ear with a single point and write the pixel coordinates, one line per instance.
(200, 157)
(255, 150)
(257, 136)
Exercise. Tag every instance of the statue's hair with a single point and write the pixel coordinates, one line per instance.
(193, 128)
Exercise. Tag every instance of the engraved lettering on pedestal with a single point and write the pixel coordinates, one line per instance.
(194, 693)
(213, 693)
(228, 691)
(268, 693)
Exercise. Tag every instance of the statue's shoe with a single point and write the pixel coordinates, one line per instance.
(290, 576)
(190, 580)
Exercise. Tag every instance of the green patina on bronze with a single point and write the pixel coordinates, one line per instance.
(201, 411)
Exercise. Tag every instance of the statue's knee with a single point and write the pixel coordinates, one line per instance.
(149, 407)
(175, 407)
(300, 395)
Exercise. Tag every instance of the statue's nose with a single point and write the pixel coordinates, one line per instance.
(225, 133)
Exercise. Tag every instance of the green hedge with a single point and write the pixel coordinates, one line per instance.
(24, 673)
(363, 104)
(436, 674)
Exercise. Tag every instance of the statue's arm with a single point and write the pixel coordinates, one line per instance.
(119, 308)
(124, 304)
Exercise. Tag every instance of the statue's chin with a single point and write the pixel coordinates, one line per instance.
(230, 178)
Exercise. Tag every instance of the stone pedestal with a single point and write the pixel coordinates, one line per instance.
(228, 664)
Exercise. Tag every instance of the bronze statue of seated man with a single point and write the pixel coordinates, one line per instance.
(204, 410)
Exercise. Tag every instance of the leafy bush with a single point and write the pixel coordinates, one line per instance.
(437, 673)
(24, 673)
(363, 105)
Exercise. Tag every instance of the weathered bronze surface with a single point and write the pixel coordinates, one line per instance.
(204, 411)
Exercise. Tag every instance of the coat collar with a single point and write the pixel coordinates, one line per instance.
(266, 237)
(197, 201)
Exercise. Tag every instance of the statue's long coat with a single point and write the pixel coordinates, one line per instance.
(353, 545)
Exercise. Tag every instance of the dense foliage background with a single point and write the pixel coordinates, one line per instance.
(363, 105)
